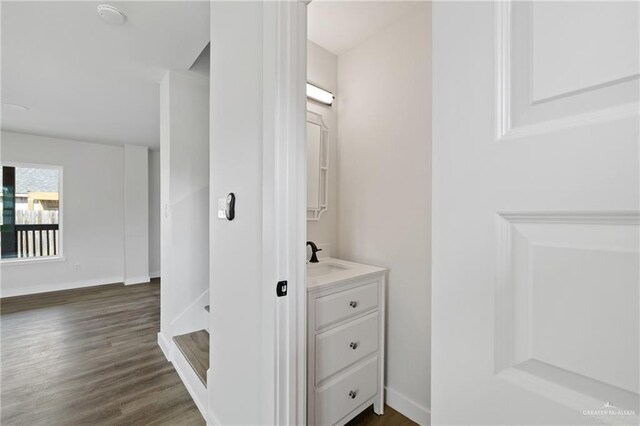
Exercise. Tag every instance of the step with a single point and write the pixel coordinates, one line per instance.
(195, 348)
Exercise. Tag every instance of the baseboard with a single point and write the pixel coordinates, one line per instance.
(155, 274)
(47, 288)
(193, 384)
(407, 407)
(164, 346)
(137, 280)
(212, 420)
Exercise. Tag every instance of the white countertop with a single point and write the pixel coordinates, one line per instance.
(335, 271)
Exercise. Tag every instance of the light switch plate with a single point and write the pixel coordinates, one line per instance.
(222, 206)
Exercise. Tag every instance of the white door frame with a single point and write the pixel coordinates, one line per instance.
(288, 169)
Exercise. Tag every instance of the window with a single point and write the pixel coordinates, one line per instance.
(31, 211)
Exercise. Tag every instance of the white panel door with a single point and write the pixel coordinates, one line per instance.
(536, 215)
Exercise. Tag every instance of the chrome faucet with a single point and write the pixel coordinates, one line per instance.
(314, 251)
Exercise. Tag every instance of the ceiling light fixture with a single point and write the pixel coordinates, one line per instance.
(319, 95)
(111, 15)
(15, 107)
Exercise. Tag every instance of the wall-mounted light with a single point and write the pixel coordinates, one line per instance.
(319, 95)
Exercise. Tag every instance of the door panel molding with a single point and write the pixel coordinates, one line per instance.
(535, 350)
(518, 114)
(575, 392)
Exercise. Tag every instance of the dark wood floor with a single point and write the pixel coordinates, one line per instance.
(390, 418)
(90, 357)
(195, 348)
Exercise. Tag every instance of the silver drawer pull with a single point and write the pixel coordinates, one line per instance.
(353, 303)
(353, 345)
(353, 394)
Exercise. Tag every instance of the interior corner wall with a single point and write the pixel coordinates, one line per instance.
(136, 214)
(384, 111)
(184, 193)
(154, 214)
(322, 71)
(92, 217)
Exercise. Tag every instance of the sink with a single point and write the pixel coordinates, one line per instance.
(331, 271)
(324, 268)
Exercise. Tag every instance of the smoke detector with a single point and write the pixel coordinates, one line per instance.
(111, 15)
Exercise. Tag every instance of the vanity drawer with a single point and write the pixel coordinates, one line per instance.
(344, 345)
(338, 306)
(346, 393)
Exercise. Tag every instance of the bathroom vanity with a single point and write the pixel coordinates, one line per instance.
(345, 340)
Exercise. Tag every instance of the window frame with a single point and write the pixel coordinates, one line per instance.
(60, 254)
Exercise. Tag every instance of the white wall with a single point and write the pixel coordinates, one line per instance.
(322, 67)
(93, 214)
(236, 166)
(257, 152)
(384, 110)
(184, 157)
(136, 214)
(154, 213)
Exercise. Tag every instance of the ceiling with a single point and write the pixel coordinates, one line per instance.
(339, 26)
(87, 80)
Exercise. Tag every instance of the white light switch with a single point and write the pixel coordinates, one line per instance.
(222, 206)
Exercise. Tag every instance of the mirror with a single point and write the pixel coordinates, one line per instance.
(317, 166)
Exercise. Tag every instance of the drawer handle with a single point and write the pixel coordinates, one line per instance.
(353, 303)
(353, 394)
(353, 345)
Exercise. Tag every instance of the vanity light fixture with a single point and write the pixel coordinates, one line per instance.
(319, 95)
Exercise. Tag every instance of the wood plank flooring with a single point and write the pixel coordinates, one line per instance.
(88, 357)
(390, 418)
(195, 348)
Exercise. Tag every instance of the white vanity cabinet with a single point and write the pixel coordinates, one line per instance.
(345, 342)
